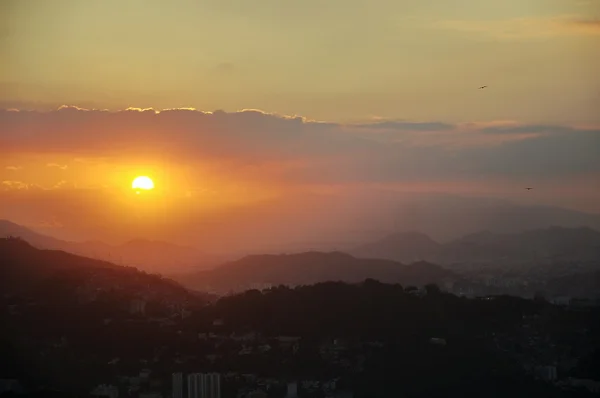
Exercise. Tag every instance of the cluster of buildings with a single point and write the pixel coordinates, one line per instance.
(105, 390)
(208, 385)
(198, 385)
(138, 288)
(546, 355)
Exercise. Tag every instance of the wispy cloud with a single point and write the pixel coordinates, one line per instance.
(60, 184)
(408, 126)
(18, 185)
(58, 166)
(528, 129)
(12, 185)
(585, 26)
(252, 144)
(50, 224)
(225, 68)
(523, 28)
(89, 160)
(13, 168)
(586, 2)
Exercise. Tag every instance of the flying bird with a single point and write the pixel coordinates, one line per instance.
(529, 189)
(482, 87)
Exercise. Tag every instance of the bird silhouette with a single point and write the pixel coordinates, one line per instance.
(482, 87)
(529, 189)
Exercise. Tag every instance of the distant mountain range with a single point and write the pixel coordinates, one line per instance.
(558, 261)
(349, 219)
(262, 271)
(148, 255)
(548, 245)
(539, 253)
(446, 217)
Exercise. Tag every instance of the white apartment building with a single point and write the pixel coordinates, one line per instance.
(204, 385)
(177, 385)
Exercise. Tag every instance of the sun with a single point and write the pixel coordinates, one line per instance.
(142, 183)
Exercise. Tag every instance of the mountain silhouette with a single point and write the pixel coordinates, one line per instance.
(149, 255)
(541, 245)
(448, 217)
(8, 228)
(309, 268)
(31, 271)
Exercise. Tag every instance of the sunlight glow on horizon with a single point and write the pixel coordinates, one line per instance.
(126, 130)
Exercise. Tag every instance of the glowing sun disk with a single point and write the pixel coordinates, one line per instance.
(142, 182)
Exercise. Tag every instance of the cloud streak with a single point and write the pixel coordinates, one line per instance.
(244, 177)
(58, 166)
(585, 26)
(524, 28)
(16, 185)
(291, 149)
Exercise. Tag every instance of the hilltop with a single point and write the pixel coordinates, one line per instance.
(547, 245)
(38, 274)
(259, 271)
(148, 255)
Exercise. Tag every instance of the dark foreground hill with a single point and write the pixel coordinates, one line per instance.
(375, 339)
(68, 324)
(309, 268)
(56, 301)
(26, 271)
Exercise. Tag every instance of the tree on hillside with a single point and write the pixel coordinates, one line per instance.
(432, 289)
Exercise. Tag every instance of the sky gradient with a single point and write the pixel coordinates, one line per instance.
(244, 111)
(335, 60)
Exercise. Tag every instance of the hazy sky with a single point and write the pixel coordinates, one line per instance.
(316, 99)
(334, 60)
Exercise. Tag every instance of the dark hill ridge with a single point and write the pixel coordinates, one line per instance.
(541, 245)
(309, 268)
(8, 228)
(24, 265)
(26, 270)
(149, 255)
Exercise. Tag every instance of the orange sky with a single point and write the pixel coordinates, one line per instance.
(235, 172)
(322, 101)
(338, 60)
